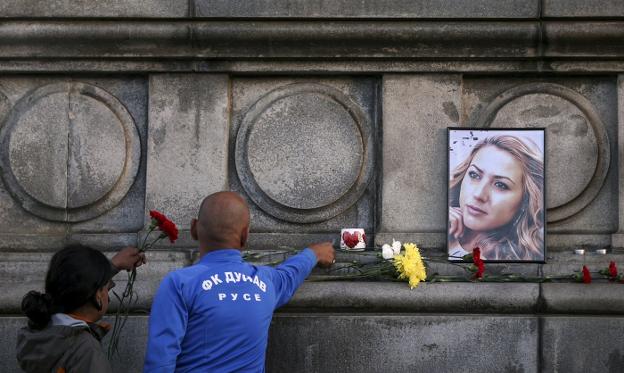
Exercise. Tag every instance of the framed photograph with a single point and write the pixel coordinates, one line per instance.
(496, 194)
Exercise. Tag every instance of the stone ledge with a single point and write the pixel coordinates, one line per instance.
(428, 297)
(604, 298)
(260, 67)
(267, 39)
(21, 272)
(344, 39)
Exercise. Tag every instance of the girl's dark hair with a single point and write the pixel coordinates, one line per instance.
(75, 274)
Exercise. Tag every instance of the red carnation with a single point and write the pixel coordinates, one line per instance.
(350, 239)
(163, 223)
(170, 229)
(586, 275)
(476, 258)
(612, 270)
(159, 217)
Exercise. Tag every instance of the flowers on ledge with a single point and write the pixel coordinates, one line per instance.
(410, 265)
(404, 262)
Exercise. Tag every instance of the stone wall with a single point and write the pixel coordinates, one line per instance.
(323, 115)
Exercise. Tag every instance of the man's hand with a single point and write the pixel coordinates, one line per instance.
(325, 253)
(128, 258)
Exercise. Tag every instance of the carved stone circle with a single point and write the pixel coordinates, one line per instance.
(304, 152)
(69, 151)
(577, 144)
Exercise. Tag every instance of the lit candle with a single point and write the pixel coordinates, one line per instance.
(579, 252)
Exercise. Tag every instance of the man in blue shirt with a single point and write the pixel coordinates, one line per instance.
(214, 316)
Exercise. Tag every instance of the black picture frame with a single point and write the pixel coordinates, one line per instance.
(491, 202)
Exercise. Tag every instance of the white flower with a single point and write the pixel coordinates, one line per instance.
(396, 247)
(387, 252)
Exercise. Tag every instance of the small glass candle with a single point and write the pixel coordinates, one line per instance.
(352, 239)
(601, 251)
(579, 251)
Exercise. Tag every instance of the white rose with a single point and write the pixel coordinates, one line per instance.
(387, 252)
(396, 247)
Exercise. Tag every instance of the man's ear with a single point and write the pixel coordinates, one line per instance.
(244, 236)
(194, 229)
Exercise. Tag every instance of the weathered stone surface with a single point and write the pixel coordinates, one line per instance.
(583, 8)
(122, 211)
(598, 298)
(77, 137)
(427, 297)
(617, 239)
(582, 344)
(376, 343)
(269, 39)
(269, 111)
(296, 138)
(304, 67)
(583, 39)
(417, 111)
(187, 145)
(296, 175)
(368, 8)
(101, 8)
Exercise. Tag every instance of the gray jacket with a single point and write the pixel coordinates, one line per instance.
(71, 345)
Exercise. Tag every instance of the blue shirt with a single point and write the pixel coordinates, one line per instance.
(214, 316)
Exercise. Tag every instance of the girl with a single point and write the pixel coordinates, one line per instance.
(63, 334)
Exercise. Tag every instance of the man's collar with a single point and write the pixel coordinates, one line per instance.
(222, 255)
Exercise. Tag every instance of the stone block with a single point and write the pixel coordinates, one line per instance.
(598, 39)
(405, 343)
(255, 40)
(582, 344)
(102, 189)
(95, 9)
(427, 297)
(187, 144)
(583, 8)
(596, 298)
(9, 327)
(617, 239)
(417, 111)
(304, 153)
(368, 8)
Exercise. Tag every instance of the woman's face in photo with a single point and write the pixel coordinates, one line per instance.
(491, 191)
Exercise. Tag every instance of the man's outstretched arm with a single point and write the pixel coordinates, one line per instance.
(290, 274)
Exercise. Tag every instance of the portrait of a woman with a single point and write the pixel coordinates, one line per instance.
(496, 194)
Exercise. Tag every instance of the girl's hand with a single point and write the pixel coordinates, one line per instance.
(456, 223)
(128, 258)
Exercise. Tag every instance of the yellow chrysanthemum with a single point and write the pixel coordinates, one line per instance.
(410, 265)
